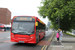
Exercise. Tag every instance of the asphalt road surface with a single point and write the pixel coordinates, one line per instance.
(6, 44)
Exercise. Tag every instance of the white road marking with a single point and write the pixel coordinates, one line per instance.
(8, 37)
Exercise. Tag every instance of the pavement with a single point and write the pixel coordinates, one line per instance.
(68, 43)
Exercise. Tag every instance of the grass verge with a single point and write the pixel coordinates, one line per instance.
(70, 34)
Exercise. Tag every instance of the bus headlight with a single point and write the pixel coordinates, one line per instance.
(32, 37)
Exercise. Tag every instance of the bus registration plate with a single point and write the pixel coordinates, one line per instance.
(21, 41)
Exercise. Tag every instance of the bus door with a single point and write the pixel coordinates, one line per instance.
(37, 32)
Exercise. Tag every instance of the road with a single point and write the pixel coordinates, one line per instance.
(6, 44)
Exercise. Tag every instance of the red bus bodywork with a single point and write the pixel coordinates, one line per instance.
(1, 25)
(33, 38)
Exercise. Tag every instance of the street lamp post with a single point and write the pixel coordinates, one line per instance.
(6, 22)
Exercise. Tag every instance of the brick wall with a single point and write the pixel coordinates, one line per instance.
(5, 16)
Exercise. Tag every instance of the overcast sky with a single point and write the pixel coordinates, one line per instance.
(23, 7)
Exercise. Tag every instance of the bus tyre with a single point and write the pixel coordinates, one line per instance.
(44, 35)
(39, 38)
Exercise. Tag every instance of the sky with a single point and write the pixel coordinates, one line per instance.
(23, 7)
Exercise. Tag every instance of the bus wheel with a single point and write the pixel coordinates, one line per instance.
(44, 35)
(39, 38)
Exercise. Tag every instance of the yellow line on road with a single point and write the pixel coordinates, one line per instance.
(51, 37)
(45, 46)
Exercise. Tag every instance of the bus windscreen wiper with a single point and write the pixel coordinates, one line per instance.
(20, 32)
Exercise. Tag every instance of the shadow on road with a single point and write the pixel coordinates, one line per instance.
(24, 44)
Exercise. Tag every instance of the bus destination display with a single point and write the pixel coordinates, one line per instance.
(24, 19)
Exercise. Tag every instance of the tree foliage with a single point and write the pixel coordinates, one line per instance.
(65, 9)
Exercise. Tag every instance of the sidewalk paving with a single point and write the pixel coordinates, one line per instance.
(68, 43)
(4, 31)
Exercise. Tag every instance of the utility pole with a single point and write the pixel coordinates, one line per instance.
(58, 22)
(58, 18)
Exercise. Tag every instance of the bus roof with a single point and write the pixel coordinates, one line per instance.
(30, 16)
(24, 15)
(41, 21)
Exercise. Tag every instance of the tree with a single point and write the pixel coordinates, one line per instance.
(65, 9)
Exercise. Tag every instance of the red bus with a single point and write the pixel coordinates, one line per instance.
(27, 29)
(2, 28)
(1, 25)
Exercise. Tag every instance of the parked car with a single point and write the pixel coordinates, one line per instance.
(4, 27)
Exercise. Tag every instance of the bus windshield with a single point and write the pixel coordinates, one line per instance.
(23, 28)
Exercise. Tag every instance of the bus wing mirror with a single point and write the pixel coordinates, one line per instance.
(36, 24)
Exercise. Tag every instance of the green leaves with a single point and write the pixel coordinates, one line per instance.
(63, 8)
(55, 8)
